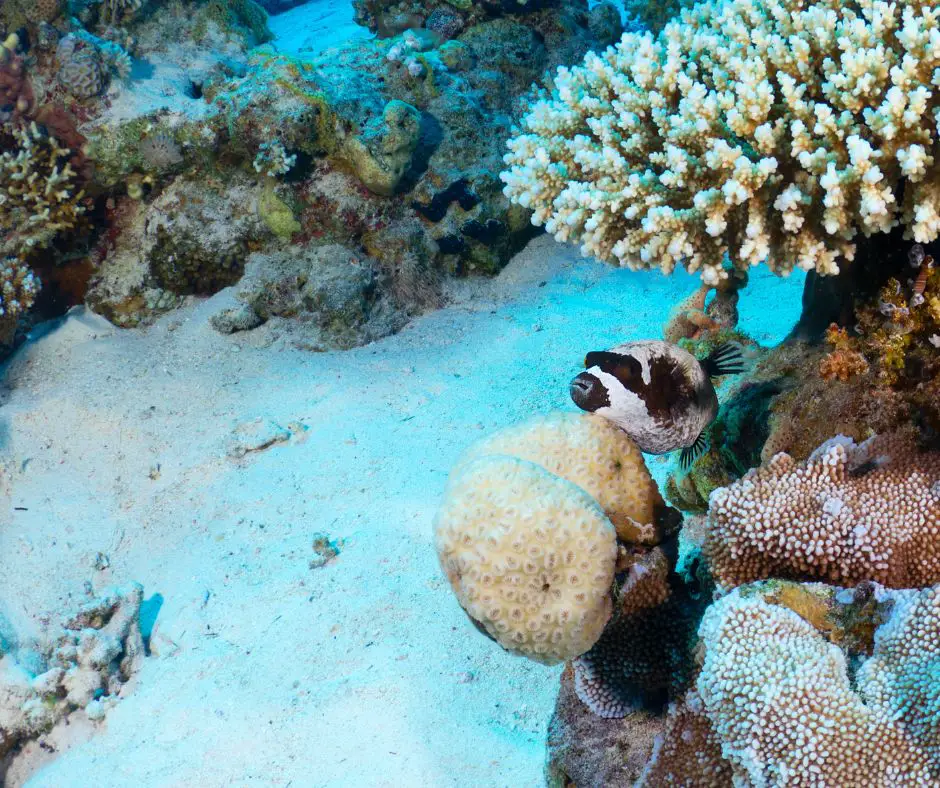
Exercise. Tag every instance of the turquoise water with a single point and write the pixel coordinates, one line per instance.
(270, 277)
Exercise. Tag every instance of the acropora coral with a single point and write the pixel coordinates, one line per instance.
(772, 131)
(40, 193)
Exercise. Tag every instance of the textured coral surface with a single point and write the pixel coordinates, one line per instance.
(594, 454)
(850, 513)
(529, 555)
(781, 700)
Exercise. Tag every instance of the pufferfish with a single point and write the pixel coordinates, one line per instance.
(659, 394)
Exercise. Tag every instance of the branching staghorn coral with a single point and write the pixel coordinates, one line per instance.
(40, 194)
(767, 130)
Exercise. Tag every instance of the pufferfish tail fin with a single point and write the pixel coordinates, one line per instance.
(726, 359)
(691, 453)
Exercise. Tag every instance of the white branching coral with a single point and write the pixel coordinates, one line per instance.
(767, 130)
(272, 159)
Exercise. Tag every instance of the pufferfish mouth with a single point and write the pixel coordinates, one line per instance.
(588, 392)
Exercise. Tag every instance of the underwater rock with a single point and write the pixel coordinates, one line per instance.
(97, 652)
(588, 751)
(256, 435)
(193, 239)
(391, 17)
(329, 293)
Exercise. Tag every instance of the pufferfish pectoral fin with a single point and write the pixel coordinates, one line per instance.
(726, 359)
(691, 453)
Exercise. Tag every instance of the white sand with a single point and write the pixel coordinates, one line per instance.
(264, 671)
(315, 26)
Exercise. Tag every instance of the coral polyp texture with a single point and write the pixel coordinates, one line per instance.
(778, 695)
(765, 130)
(529, 555)
(591, 452)
(849, 513)
(645, 653)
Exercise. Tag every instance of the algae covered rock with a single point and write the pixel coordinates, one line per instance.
(592, 752)
(331, 294)
(382, 154)
(191, 240)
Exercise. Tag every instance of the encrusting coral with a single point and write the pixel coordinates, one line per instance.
(848, 514)
(765, 130)
(776, 701)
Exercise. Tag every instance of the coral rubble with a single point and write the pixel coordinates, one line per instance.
(84, 667)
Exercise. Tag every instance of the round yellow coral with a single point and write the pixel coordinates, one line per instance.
(593, 453)
(529, 555)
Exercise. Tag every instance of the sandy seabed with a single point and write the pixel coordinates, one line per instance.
(265, 670)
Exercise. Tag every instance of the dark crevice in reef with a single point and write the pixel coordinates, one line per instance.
(459, 191)
(431, 134)
(834, 299)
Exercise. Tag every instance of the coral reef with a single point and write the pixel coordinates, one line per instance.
(777, 699)
(642, 15)
(387, 148)
(561, 511)
(391, 17)
(770, 131)
(529, 555)
(85, 667)
(194, 238)
(849, 513)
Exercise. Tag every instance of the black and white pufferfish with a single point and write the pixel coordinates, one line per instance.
(659, 394)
